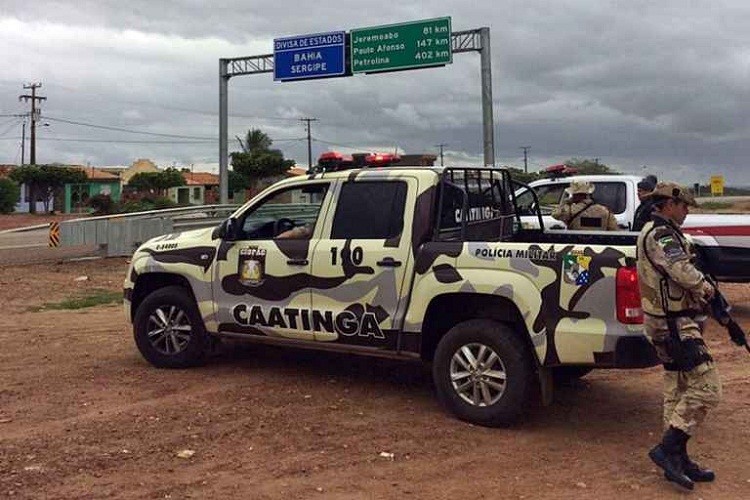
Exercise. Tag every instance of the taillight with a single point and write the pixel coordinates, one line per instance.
(628, 296)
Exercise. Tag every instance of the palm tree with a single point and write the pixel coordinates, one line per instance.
(256, 140)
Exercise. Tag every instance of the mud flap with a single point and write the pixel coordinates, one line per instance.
(546, 386)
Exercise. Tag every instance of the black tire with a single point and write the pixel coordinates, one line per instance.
(497, 404)
(565, 375)
(184, 342)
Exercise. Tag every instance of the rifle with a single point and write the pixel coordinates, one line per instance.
(720, 310)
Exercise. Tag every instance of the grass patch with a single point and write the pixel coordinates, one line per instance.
(89, 299)
(715, 205)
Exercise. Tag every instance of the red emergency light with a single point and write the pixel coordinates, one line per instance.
(381, 159)
(560, 170)
(333, 160)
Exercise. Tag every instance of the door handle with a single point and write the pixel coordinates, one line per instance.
(298, 262)
(389, 262)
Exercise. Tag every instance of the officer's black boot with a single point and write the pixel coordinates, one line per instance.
(692, 469)
(668, 456)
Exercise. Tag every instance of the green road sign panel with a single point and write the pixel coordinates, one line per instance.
(411, 45)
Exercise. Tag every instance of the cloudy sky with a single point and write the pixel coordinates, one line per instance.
(661, 84)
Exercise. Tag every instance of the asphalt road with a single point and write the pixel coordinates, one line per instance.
(32, 246)
(25, 239)
(723, 199)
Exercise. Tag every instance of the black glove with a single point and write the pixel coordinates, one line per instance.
(686, 354)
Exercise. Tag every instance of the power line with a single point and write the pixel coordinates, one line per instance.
(119, 129)
(119, 141)
(15, 123)
(335, 144)
(294, 139)
(151, 105)
(107, 141)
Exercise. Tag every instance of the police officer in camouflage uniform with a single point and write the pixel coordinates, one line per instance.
(580, 212)
(674, 296)
(643, 212)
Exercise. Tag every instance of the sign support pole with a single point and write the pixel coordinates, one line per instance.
(223, 133)
(488, 125)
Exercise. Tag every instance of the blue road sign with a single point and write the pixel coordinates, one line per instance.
(309, 56)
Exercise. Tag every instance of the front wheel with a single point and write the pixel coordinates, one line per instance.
(483, 373)
(168, 329)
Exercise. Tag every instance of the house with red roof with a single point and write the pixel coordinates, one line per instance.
(98, 181)
(201, 188)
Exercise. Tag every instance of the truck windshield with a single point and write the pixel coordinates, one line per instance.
(549, 197)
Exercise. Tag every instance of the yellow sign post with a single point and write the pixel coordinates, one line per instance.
(54, 234)
(717, 185)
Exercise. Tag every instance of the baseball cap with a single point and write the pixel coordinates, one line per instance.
(672, 190)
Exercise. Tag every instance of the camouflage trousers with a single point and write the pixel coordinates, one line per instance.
(688, 395)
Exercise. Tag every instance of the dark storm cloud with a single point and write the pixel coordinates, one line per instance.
(661, 84)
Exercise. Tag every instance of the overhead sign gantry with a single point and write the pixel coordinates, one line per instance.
(376, 49)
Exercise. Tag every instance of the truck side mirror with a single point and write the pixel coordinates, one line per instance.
(227, 230)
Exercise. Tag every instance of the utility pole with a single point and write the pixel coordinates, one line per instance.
(309, 141)
(525, 159)
(34, 115)
(23, 142)
(441, 146)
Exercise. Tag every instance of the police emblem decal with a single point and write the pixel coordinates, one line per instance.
(576, 269)
(251, 267)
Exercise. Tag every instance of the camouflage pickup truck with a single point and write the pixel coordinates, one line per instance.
(427, 263)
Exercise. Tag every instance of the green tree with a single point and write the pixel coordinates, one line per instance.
(257, 160)
(256, 140)
(9, 192)
(519, 175)
(589, 167)
(237, 182)
(157, 182)
(46, 181)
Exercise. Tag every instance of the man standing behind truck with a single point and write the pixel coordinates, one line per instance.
(674, 296)
(579, 211)
(643, 212)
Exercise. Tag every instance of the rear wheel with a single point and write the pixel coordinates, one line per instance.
(168, 329)
(483, 373)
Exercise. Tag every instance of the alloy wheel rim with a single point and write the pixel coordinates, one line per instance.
(478, 374)
(169, 330)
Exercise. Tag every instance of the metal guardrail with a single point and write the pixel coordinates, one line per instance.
(121, 234)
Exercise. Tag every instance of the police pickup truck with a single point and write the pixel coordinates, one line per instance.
(425, 262)
(722, 240)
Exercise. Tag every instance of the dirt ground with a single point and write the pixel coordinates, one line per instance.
(82, 415)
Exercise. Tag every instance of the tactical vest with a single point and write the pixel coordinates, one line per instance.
(583, 215)
(661, 296)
